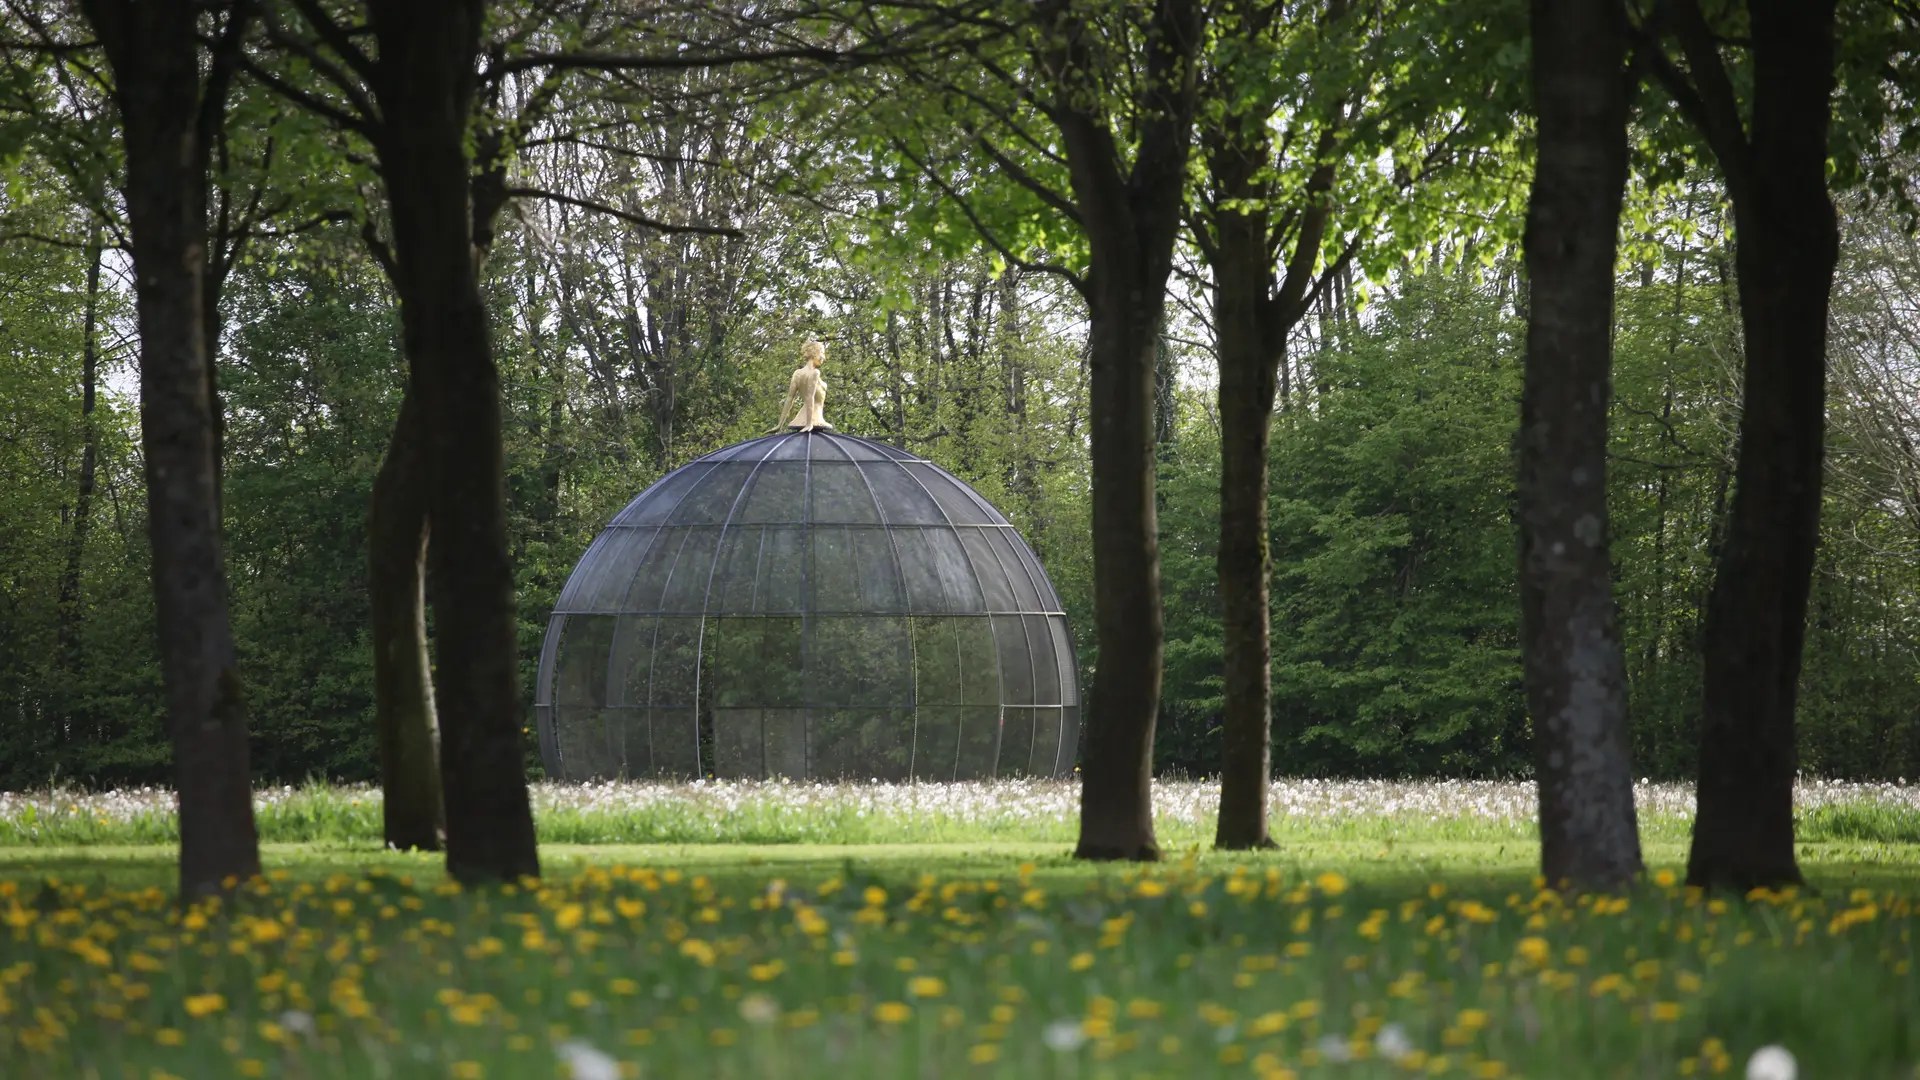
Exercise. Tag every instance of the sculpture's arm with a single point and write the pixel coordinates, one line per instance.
(787, 406)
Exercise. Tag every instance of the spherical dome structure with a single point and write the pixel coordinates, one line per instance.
(814, 606)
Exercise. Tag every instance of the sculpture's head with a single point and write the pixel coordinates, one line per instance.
(813, 354)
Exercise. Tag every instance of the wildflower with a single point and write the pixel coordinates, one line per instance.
(1333, 1048)
(586, 1062)
(1772, 1063)
(892, 1012)
(1391, 1042)
(203, 1005)
(1330, 883)
(926, 986)
(984, 1054)
(1666, 1011)
(1063, 1036)
(759, 1009)
(1534, 950)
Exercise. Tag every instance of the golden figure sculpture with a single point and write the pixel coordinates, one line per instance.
(807, 393)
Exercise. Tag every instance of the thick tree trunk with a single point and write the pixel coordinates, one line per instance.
(154, 49)
(425, 88)
(1786, 247)
(1131, 219)
(412, 810)
(1116, 802)
(1244, 281)
(1574, 664)
(67, 634)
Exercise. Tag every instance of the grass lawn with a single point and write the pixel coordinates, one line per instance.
(1358, 950)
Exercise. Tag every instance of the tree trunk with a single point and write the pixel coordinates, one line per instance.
(1786, 247)
(67, 635)
(153, 46)
(424, 85)
(1573, 661)
(412, 811)
(1244, 281)
(1116, 802)
(1131, 219)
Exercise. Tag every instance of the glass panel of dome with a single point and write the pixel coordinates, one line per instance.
(920, 571)
(1070, 742)
(754, 661)
(902, 498)
(877, 569)
(826, 446)
(1016, 660)
(735, 569)
(853, 571)
(783, 735)
(1063, 660)
(777, 495)
(861, 744)
(1046, 669)
(606, 571)
(650, 576)
(675, 669)
(978, 735)
(672, 744)
(980, 681)
(711, 501)
(936, 662)
(692, 572)
(1026, 579)
(738, 745)
(862, 660)
(658, 502)
(958, 576)
(790, 448)
(1046, 742)
(1016, 741)
(959, 508)
(841, 495)
(993, 577)
(936, 735)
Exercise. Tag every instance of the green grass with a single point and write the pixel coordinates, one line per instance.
(795, 958)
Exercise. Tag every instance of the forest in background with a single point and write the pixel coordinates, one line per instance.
(628, 346)
(625, 353)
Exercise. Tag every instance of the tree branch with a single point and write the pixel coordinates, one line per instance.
(626, 216)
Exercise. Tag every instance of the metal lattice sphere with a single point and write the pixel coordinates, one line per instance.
(813, 606)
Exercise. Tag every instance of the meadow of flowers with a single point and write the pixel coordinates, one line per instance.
(1036, 811)
(648, 971)
(936, 962)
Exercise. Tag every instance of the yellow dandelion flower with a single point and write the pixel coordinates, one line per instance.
(1080, 962)
(169, 1036)
(984, 1054)
(892, 1012)
(1665, 1011)
(1471, 1019)
(204, 1005)
(926, 986)
(468, 1070)
(1534, 950)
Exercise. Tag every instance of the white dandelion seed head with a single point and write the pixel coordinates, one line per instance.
(759, 1010)
(1333, 1048)
(1772, 1063)
(1063, 1036)
(587, 1062)
(298, 1022)
(1392, 1042)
